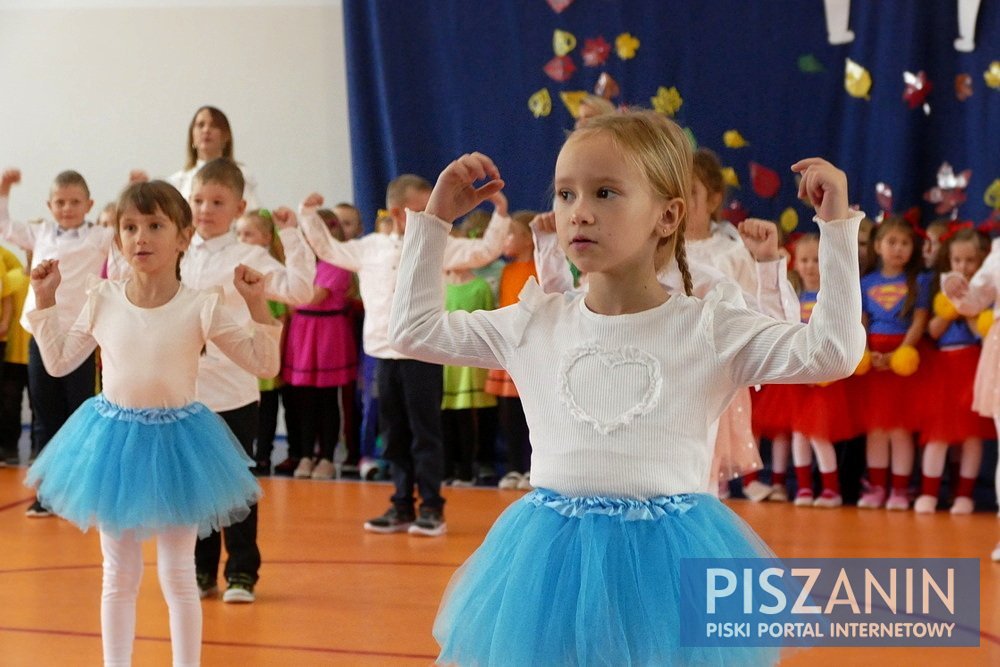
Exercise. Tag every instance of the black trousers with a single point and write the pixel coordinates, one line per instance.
(410, 419)
(54, 399)
(240, 538)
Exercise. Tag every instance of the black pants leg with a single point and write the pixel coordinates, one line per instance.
(267, 425)
(54, 399)
(240, 538)
(410, 411)
(515, 430)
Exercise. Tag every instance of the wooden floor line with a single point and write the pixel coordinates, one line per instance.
(16, 503)
(210, 642)
(152, 564)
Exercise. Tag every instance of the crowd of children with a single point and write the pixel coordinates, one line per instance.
(363, 358)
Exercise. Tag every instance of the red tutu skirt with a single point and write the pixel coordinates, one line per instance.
(948, 386)
(890, 400)
(824, 412)
(774, 408)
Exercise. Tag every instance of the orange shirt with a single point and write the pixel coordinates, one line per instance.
(514, 275)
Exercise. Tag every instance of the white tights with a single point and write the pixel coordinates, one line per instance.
(122, 574)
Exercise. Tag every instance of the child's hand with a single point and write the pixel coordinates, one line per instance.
(284, 217)
(544, 223)
(8, 178)
(314, 200)
(880, 360)
(455, 193)
(954, 285)
(137, 176)
(824, 186)
(499, 200)
(761, 239)
(249, 283)
(45, 278)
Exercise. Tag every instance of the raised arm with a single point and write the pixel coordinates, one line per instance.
(62, 351)
(345, 254)
(974, 296)
(291, 282)
(18, 233)
(256, 349)
(551, 265)
(461, 253)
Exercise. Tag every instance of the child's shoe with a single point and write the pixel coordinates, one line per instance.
(804, 498)
(240, 589)
(393, 521)
(756, 490)
(369, 470)
(304, 469)
(963, 505)
(872, 498)
(463, 483)
(898, 501)
(510, 480)
(37, 511)
(207, 588)
(286, 467)
(778, 494)
(828, 498)
(925, 504)
(524, 484)
(323, 470)
(430, 524)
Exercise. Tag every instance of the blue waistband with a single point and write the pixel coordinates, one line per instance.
(630, 509)
(106, 408)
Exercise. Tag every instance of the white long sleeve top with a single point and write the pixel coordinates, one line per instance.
(81, 253)
(621, 405)
(222, 384)
(375, 258)
(983, 288)
(149, 356)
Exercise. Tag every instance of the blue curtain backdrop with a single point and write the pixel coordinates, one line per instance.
(431, 79)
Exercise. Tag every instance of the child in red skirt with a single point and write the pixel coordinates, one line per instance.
(950, 419)
(822, 413)
(895, 302)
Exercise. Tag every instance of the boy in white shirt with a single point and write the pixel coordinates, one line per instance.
(81, 248)
(216, 202)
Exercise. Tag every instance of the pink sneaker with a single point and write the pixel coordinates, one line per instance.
(828, 498)
(872, 498)
(898, 501)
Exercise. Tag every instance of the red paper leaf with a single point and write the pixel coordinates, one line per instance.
(595, 51)
(560, 68)
(559, 5)
(766, 182)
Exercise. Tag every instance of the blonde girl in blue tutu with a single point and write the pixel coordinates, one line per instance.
(619, 387)
(143, 459)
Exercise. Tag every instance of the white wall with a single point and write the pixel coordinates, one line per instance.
(104, 87)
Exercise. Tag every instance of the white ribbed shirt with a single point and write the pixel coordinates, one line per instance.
(621, 405)
(222, 384)
(81, 252)
(375, 258)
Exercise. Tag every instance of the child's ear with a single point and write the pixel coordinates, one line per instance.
(671, 217)
(242, 208)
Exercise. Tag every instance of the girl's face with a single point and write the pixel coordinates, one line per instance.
(608, 219)
(930, 248)
(807, 264)
(894, 249)
(249, 232)
(518, 241)
(965, 257)
(207, 138)
(703, 204)
(151, 242)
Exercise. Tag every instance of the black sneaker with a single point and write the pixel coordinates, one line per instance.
(240, 589)
(37, 511)
(207, 588)
(393, 521)
(261, 469)
(430, 524)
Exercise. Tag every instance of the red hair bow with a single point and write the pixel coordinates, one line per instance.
(954, 228)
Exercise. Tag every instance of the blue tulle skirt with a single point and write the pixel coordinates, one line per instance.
(590, 581)
(143, 470)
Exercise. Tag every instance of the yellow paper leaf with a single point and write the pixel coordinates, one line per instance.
(729, 177)
(571, 99)
(733, 139)
(992, 75)
(563, 42)
(789, 220)
(667, 100)
(626, 45)
(540, 103)
(992, 194)
(857, 80)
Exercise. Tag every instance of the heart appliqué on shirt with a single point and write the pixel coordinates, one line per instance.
(608, 389)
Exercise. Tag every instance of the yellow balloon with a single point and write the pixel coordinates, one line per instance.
(540, 103)
(857, 80)
(563, 42)
(865, 364)
(733, 139)
(943, 307)
(905, 360)
(571, 99)
(984, 322)
(789, 220)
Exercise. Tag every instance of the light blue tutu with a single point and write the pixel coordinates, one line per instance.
(590, 581)
(146, 469)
